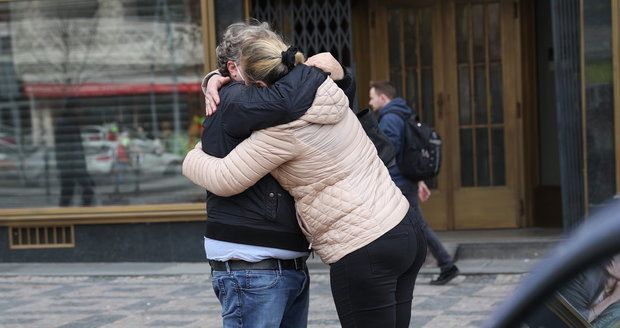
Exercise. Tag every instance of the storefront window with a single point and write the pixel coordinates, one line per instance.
(99, 101)
(599, 101)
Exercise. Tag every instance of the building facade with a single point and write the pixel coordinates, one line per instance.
(524, 94)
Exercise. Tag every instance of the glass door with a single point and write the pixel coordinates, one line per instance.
(456, 64)
(482, 63)
(414, 40)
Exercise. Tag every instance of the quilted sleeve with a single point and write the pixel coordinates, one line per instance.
(252, 159)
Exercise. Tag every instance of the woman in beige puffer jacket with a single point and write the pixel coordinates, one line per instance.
(353, 215)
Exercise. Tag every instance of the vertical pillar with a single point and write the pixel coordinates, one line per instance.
(567, 49)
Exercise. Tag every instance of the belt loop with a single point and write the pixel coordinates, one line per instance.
(280, 266)
(227, 267)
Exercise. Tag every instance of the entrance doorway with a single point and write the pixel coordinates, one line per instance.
(457, 64)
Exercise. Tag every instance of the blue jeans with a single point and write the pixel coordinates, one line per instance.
(263, 298)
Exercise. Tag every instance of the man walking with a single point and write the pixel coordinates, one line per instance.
(393, 113)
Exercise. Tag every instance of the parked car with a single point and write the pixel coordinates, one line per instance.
(10, 161)
(100, 157)
(9, 165)
(98, 132)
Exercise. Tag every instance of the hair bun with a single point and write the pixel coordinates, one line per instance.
(288, 57)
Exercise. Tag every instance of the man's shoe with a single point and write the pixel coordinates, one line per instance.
(445, 276)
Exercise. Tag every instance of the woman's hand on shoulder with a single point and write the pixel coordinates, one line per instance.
(211, 91)
(327, 63)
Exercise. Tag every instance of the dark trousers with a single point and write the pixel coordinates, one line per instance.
(373, 286)
(444, 260)
(68, 180)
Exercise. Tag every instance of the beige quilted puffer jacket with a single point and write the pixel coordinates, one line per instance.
(343, 193)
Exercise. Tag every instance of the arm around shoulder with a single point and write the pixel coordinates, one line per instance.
(251, 160)
(287, 100)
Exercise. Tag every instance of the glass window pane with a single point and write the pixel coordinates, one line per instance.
(494, 31)
(482, 157)
(227, 12)
(481, 94)
(412, 89)
(499, 162)
(100, 104)
(411, 59)
(464, 96)
(428, 98)
(467, 158)
(410, 39)
(426, 36)
(497, 99)
(462, 33)
(394, 49)
(599, 101)
(478, 32)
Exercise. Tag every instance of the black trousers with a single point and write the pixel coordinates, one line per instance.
(373, 286)
(444, 260)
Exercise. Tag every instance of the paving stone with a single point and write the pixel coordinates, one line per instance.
(420, 320)
(168, 323)
(17, 321)
(189, 301)
(144, 305)
(93, 321)
(11, 303)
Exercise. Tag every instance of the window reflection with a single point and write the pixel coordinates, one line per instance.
(590, 299)
(99, 101)
(599, 101)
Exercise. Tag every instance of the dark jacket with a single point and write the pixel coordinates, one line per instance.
(263, 215)
(392, 122)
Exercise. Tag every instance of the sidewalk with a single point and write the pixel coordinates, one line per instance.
(467, 267)
(507, 251)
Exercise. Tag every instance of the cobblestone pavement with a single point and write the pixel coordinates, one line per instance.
(188, 301)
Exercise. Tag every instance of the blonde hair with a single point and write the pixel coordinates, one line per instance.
(264, 60)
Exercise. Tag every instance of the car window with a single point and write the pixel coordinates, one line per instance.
(589, 299)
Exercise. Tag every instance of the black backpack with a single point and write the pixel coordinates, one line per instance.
(385, 148)
(420, 158)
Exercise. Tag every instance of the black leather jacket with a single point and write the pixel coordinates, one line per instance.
(264, 214)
